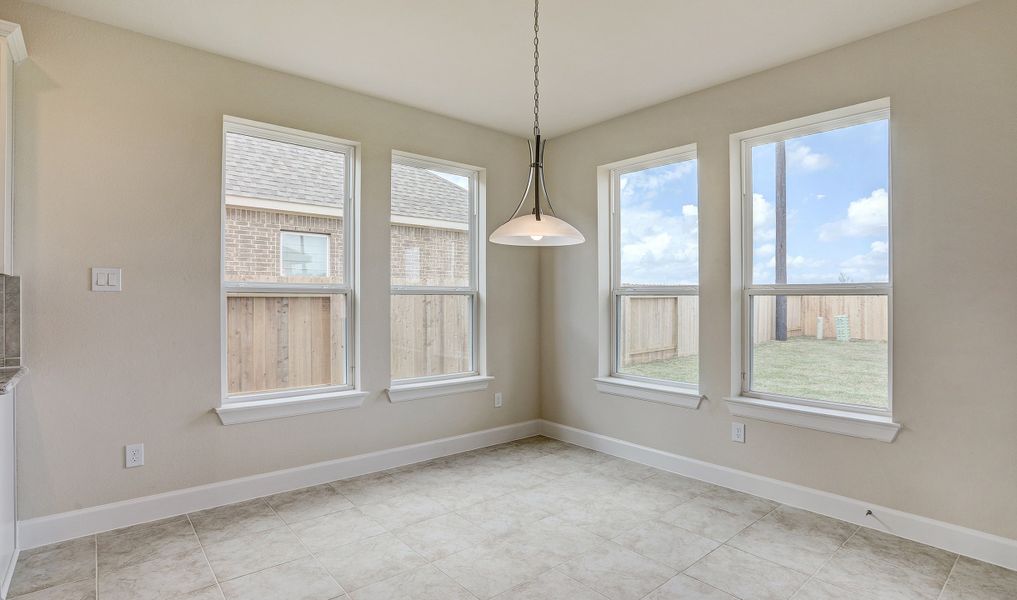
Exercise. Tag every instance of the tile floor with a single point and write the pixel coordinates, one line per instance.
(529, 520)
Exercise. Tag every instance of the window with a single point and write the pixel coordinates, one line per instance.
(655, 269)
(816, 261)
(435, 271)
(303, 254)
(287, 264)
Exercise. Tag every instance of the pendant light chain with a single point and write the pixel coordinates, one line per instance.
(536, 68)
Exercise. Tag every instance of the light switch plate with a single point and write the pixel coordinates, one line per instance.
(107, 279)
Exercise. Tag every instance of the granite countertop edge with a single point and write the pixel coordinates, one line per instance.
(9, 377)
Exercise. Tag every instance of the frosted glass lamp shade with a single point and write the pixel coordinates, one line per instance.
(526, 230)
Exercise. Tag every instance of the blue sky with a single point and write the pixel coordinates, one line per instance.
(837, 200)
(837, 206)
(659, 225)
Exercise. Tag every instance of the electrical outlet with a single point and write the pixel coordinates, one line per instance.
(497, 400)
(738, 432)
(134, 455)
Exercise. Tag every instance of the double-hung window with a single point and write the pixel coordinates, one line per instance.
(815, 267)
(435, 271)
(654, 255)
(287, 276)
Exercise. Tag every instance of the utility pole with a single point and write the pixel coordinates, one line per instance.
(780, 251)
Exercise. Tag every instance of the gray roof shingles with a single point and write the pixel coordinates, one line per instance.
(273, 170)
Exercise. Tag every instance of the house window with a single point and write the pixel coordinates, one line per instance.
(303, 254)
(287, 263)
(816, 261)
(435, 270)
(655, 269)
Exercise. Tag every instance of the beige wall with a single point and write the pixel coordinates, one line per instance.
(953, 84)
(118, 164)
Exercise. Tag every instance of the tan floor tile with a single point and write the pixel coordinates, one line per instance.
(336, 529)
(719, 513)
(442, 536)
(683, 587)
(746, 576)
(76, 590)
(246, 554)
(136, 545)
(302, 579)
(552, 584)
(794, 538)
(616, 572)
(308, 503)
(217, 524)
(368, 561)
(667, 544)
(424, 583)
(158, 579)
(975, 580)
(863, 574)
(53, 565)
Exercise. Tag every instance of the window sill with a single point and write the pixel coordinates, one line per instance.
(444, 387)
(685, 397)
(233, 413)
(830, 420)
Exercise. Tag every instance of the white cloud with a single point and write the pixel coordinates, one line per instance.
(690, 210)
(763, 219)
(646, 183)
(801, 156)
(658, 248)
(766, 250)
(873, 266)
(866, 217)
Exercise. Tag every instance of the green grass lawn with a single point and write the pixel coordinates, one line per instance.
(851, 372)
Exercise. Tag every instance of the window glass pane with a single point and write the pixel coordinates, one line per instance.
(430, 227)
(659, 337)
(285, 342)
(659, 225)
(273, 187)
(431, 335)
(303, 254)
(831, 348)
(829, 222)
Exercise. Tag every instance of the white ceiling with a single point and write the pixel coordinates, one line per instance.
(472, 59)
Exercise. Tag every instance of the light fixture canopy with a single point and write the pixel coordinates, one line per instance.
(536, 228)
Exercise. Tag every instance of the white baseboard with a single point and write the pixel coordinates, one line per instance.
(9, 574)
(69, 525)
(954, 538)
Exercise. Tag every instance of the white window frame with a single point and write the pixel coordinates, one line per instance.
(259, 406)
(612, 381)
(476, 379)
(833, 417)
(328, 250)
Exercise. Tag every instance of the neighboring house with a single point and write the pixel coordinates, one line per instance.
(284, 217)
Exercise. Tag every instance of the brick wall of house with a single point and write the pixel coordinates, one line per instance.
(252, 244)
(428, 256)
(420, 255)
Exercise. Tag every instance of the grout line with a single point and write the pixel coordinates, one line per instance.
(948, 576)
(303, 545)
(95, 538)
(201, 545)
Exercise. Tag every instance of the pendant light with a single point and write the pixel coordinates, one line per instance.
(536, 228)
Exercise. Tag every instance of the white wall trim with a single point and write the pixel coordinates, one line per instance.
(9, 573)
(96, 519)
(235, 412)
(685, 397)
(843, 422)
(954, 538)
(442, 387)
(15, 40)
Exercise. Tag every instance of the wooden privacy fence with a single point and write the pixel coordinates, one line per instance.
(868, 316)
(659, 328)
(278, 342)
(430, 335)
